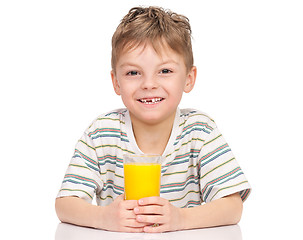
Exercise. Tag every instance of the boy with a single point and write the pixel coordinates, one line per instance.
(201, 183)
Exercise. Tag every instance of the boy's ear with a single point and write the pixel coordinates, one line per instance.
(115, 83)
(190, 80)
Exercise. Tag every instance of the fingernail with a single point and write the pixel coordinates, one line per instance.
(136, 210)
(140, 201)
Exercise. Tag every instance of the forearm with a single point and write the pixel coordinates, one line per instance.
(224, 211)
(76, 211)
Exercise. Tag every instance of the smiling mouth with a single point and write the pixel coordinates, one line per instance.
(150, 100)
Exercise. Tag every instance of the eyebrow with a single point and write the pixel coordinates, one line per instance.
(131, 64)
(128, 64)
(169, 62)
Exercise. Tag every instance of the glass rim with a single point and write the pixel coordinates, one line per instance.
(133, 158)
(142, 155)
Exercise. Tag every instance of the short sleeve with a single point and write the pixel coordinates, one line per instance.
(219, 172)
(82, 178)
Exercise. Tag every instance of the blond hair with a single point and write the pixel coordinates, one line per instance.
(156, 26)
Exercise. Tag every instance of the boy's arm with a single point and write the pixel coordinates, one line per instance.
(77, 211)
(118, 216)
(224, 211)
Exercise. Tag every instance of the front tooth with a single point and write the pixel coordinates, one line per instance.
(152, 101)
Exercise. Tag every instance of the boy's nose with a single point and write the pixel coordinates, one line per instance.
(149, 82)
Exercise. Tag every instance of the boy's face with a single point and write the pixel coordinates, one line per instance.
(151, 84)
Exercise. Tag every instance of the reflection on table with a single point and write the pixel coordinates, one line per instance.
(68, 231)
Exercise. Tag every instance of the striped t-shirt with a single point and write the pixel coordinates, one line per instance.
(198, 165)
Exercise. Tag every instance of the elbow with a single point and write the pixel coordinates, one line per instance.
(237, 211)
(234, 209)
(59, 208)
(237, 217)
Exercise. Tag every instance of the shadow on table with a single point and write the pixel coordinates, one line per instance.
(72, 232)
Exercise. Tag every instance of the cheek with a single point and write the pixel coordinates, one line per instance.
(127, 99)
(176, 88)
(126, 89)
(128, 93)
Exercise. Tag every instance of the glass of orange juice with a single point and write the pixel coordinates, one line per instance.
(142, 174)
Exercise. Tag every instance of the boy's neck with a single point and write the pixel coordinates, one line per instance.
(153, 138)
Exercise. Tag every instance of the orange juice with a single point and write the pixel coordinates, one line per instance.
(141, 180)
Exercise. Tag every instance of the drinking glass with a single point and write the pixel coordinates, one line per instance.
(142, 174)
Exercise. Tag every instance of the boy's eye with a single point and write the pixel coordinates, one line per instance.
(132, 73)
(165, 71)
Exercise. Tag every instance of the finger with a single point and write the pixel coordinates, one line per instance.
(153, 229)
(129, 214)
(135, 224)
(152, 200)
(120, 198)
(150, 219)
(149, 209)
(128, 204)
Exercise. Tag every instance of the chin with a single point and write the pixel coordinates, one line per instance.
(155, 118)
(152, 119)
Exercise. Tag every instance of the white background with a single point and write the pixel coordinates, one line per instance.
(55, 79)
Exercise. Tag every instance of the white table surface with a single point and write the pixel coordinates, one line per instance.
(67, 231)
